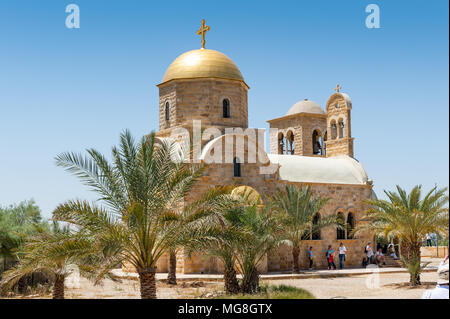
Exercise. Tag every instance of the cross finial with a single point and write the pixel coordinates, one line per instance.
(338, 88)
(202, 31)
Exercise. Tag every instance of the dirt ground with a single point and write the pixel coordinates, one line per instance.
(129, 289)
(386, 286)
(389, 286)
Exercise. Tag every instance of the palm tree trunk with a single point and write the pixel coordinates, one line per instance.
(295, 253)
(58, 287)
(172, 276)
(22, 285)
(404, 250)
(411, 254)
(231, 283)
(250, 282)
(415, 252)
(396, 246)
(147, 280)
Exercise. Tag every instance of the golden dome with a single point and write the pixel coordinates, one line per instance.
(202, 63)
(248, 193)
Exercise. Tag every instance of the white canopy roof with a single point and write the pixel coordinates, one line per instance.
(336, 170)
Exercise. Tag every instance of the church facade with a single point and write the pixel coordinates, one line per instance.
(309, 145)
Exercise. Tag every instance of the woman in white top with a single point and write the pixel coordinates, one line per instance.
(342, 253)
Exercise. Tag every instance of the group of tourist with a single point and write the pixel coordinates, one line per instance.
(330, 255)
(441, 290)
(378, 258)
(370, 256)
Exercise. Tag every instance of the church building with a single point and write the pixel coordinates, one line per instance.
(309, 145)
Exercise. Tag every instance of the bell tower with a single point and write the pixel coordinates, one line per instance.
(338, 139)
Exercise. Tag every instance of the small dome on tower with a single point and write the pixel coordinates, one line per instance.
(306, 106)
(202, 63)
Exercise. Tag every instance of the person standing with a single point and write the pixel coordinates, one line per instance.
(428, 237)
(369, 253)
(311, 258)
(434, 239)
(330, 258)
(342, 253)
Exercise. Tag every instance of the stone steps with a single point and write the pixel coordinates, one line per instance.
(391, 262)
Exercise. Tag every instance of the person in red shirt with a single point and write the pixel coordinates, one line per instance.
(330, 256)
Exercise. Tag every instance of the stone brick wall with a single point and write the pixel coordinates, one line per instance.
(303, 126)
(167, 93)
(441, 252)
(201, 99)
(344, 199)
(342, 146)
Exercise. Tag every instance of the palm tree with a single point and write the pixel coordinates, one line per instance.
(409, 217)
(296, 208)
(48, 252)
(202, 232)
(260, 232)
(144, 189)
(240, 235)
(225, 241)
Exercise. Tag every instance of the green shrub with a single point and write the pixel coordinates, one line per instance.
(274, 292)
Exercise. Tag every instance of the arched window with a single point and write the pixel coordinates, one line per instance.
(317, 143)
(237, 167)
(167, 111)
(341, 128)
(340, 232)
(226, 108)
(291, 143)
(280, 143)
(316, 232)
(350, 225)
(333, 130)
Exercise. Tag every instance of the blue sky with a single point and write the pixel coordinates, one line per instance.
(69, 89)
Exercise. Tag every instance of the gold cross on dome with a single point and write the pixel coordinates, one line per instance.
(338, 88)
(202, 31)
